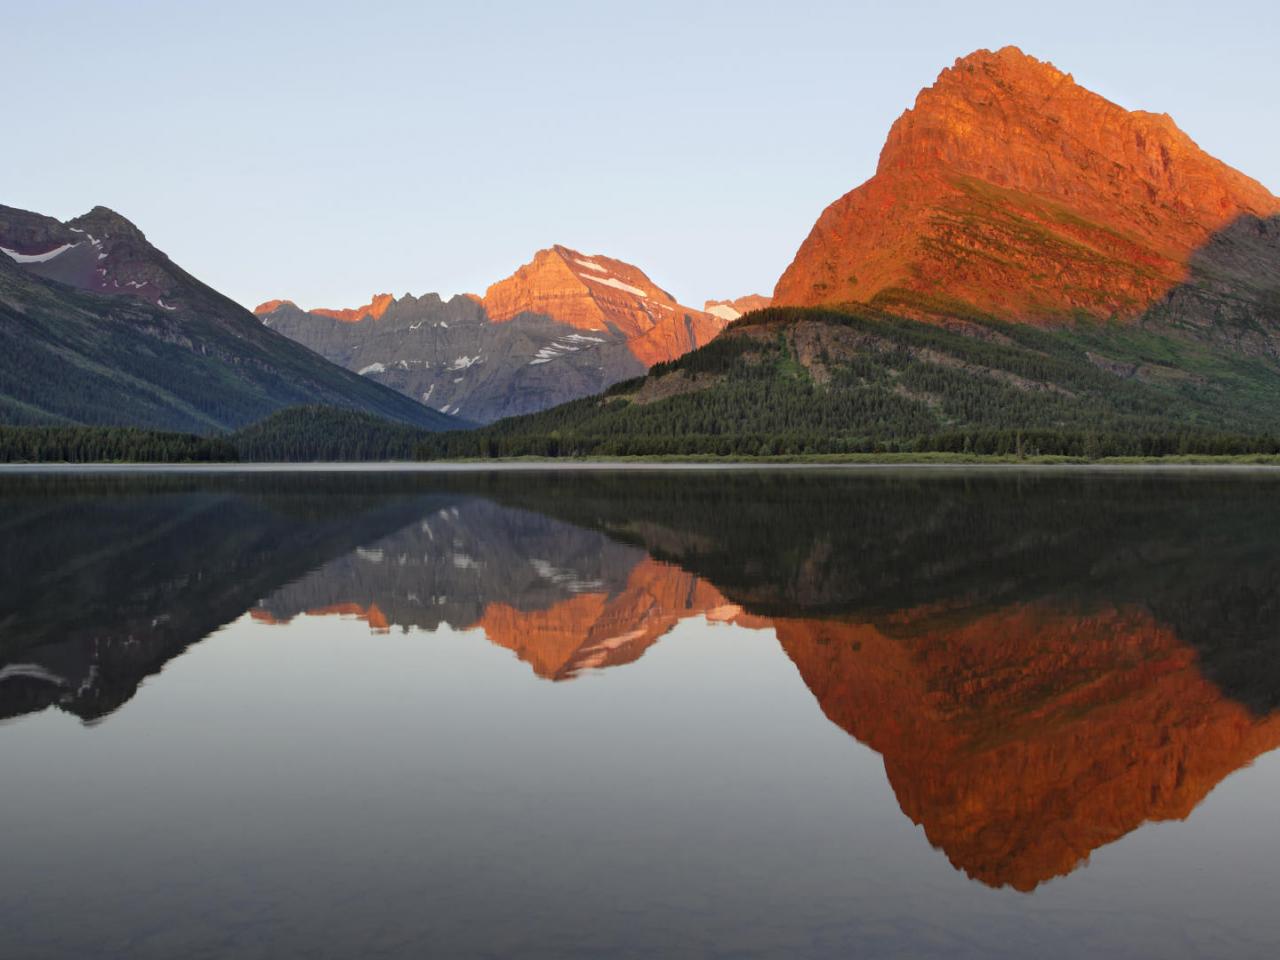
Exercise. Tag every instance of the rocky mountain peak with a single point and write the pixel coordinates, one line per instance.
(1013, 189)
(595, 292)
(105, 224)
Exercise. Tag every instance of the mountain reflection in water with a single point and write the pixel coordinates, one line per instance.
(1044, 662)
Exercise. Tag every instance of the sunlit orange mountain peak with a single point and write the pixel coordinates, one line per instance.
(600, 293)
(1011, 189)
(373, 310)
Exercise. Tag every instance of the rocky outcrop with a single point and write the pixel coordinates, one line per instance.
(1010, 189)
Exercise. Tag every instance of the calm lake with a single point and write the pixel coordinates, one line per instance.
(828, 713)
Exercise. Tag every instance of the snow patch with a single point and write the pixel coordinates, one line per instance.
(373, 368)
(579, 337)
(591, 265)
(372, 556)
(463, 362)
(724, 312)
(160, 303)
(38, 257)
(32, 671)
(563, 577)
(618, 285)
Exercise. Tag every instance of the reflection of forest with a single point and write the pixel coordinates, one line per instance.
(1043, 662)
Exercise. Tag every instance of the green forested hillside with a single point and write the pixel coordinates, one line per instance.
(796, 381)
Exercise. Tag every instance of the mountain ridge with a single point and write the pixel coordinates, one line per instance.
(99, 327)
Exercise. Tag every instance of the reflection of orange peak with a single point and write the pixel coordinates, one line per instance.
(598, 293)
(1011, 188)
(594, 630)
(371, 614)
(1026, 738)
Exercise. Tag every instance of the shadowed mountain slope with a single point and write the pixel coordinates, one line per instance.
(99, 327)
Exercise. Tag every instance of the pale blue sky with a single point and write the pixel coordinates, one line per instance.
(326, 151)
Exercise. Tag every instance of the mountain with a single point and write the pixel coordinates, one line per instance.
(97, 326)
(599, 294)
(733, 309)
(1010, 190)
(565, 325)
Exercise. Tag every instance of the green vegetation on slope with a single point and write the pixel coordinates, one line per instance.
(823, 381)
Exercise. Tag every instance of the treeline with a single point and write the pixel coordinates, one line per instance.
(77, 444)
(1002, 443)
(316, 433)
(297, 434)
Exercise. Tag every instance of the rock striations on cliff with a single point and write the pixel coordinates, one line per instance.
(1010, 189)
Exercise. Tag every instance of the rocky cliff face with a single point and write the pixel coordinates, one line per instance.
(564, 326)
(1011, 189)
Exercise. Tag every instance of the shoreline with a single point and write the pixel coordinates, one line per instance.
(1241, 464)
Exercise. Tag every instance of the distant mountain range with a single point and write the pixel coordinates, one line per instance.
(97, 326)
(564, 325)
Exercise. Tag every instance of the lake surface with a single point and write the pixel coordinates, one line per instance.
(655, 713)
